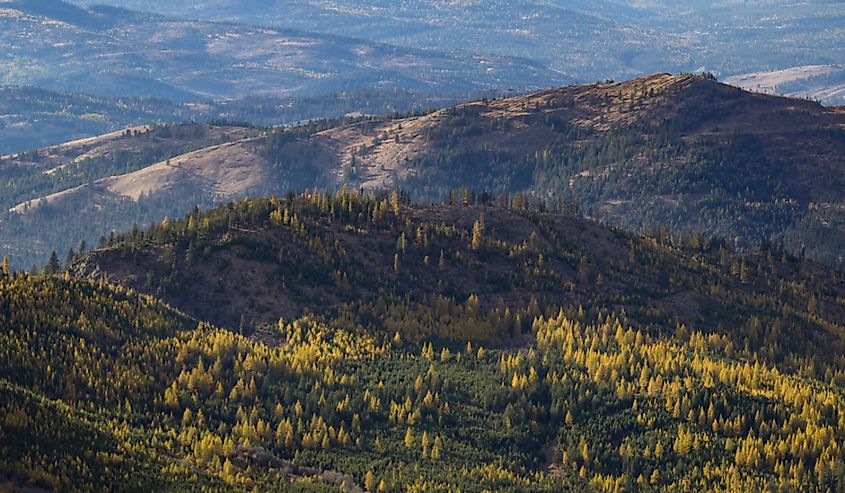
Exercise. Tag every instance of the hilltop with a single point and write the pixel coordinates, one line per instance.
(685, 152)
(468, 271)
(682, 151)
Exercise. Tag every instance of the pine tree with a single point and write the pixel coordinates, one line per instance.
(53, 266)
(436, 449)
(424, 444)
(70, 258)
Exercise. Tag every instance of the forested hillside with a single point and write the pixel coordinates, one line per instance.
(480, 269)
(104, 389)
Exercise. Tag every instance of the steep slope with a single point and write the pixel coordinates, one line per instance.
(480, 272)
(114, 52)
(66, 402)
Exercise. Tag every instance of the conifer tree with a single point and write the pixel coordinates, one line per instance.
(53, 266)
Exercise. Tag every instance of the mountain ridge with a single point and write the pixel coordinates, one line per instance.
(140, 54)
(681, 151)
(588, 40)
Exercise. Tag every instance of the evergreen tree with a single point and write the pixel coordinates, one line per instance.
(53, 266)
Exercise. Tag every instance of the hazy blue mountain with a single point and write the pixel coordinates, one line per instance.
(587, 40)
(108, 51)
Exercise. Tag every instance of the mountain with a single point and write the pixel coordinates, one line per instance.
(684, 152)
(523, 28)
(111, 52)
(414, 387)
(586, 40)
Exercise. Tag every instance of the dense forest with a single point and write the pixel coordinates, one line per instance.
(106, 389)
(476, 267)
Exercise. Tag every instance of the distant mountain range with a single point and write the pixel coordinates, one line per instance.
(682, 152)
(112, 52)
(586, 40)
(73, 70)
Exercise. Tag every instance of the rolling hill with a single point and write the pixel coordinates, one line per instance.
(376, 261)
(684, 152)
